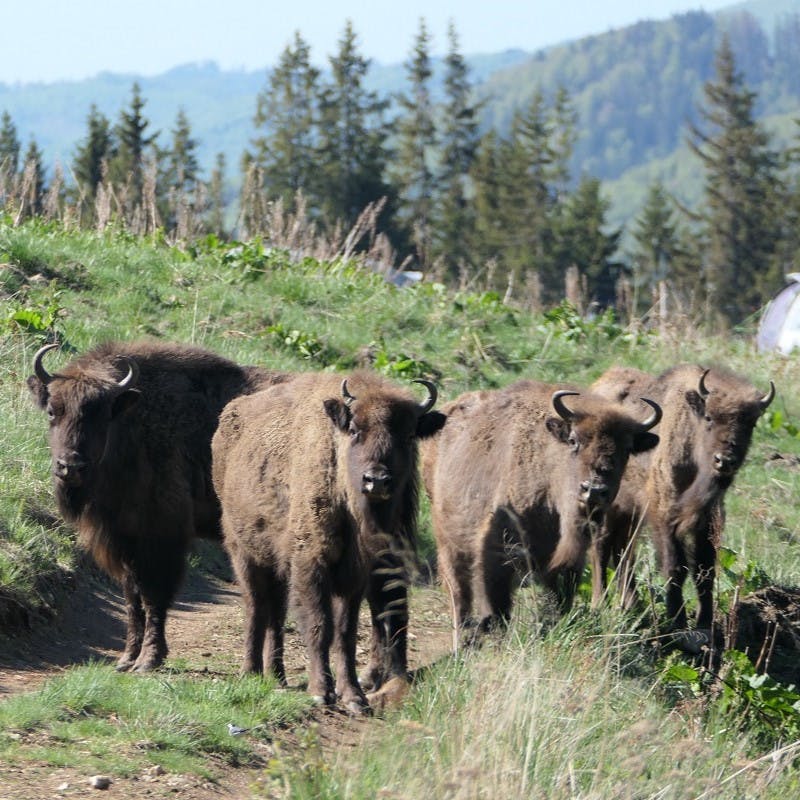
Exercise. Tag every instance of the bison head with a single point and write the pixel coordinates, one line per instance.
(599, 437)
(383, 427)
(726, 410)
(82, 404)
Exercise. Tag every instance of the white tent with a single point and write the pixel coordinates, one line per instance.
(780, 325)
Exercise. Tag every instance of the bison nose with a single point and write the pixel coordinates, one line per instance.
(69, 470)
(724, 463)
(593, 493)
(376, 483)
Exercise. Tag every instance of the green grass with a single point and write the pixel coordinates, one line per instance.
(100, 720)
(583, 710)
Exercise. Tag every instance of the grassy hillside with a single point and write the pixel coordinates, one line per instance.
(590, 708)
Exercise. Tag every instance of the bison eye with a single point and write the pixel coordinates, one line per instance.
(354, 433)
(572, 441)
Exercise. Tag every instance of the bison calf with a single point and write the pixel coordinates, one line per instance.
(679, 488)
(517, 475)
(317, 478)
(130, 440)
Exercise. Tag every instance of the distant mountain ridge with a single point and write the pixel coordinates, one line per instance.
(633, 87)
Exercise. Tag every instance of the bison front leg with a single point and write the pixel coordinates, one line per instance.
(387, 595)
(674, 568)
(704, 576)
(501, 554)
(135, 621)
(345, 611)
(311, 590)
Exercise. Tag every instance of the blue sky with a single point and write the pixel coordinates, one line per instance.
(72, 39)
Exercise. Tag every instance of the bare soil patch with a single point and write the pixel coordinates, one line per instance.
(204, 632)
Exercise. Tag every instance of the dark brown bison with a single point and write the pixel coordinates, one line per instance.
(130, 440)
(317, 478)
(708, 421)
(518, 477)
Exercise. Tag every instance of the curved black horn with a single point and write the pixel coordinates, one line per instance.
(559, 406)
(655, 417)
(702, 388)
(133, 373)
(768, 397)
(348, 398)
(41, 373)
(428, 404)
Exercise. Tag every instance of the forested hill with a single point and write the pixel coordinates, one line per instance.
(633, 88)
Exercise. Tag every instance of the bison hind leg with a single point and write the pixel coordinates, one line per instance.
(345, 622)
(135, 622)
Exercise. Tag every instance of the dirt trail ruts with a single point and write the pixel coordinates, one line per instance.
(204, 631)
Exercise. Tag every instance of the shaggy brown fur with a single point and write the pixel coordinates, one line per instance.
(680, 487)
(314, 486)
(515, 487)
(132, 466)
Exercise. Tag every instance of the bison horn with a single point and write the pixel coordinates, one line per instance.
(655, 417)
(559, 406)
(702, 388)
(768, 397)
(425, 407)
(348, 398)
(130, 379)
(41, 373)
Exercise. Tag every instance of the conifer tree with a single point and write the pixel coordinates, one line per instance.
(182, 165)
(489, 235)
(458, 141)
(91, 159)
(216, 191)
(352, 148)
(655, 234)
(741, 189)
(416, 137)
(127, 166)
(583, 241)
(287, 118)
(33, 187)
(9, 147)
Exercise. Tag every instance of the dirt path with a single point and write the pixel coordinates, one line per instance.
(204, 632)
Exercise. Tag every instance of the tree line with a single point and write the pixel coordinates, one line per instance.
(468, 206)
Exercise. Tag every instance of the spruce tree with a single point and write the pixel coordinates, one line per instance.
(352, 148)
(287, 116)
(9, 147)
(33, 187)
(489, 235)
(458, 141)
(182, 165)
(741, 189)
(127, 166)
(655, 234)
(416, 141)
(216, 191)
(92, 157)
(584, 241)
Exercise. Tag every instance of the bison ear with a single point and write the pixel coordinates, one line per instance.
(559, 428)
(38, 391)
(430, 423)
(124, 401)
(642, 442)
(338, 412)
(696, 403)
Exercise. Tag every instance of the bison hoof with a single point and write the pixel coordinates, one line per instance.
(124, 664)
(693, 642)
(358, 708)
(324, 699)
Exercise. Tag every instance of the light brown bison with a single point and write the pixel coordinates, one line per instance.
(518, 476)
(130, 440)
(679, 488)
(317, 478)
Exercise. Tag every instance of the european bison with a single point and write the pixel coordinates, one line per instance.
(130, 440)
(517, 475)
(679, 488)
(317, 478)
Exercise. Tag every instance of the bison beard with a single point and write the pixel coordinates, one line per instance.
(679, 489)
(317, 480)
(130, 440)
